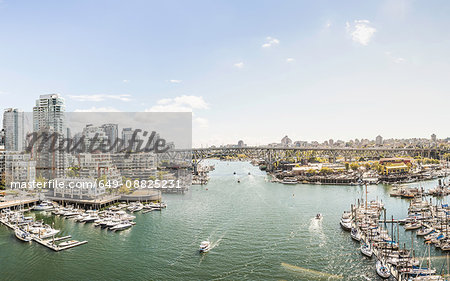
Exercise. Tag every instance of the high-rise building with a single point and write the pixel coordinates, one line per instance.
(112, 132)
(433, 138)
(49, 114)
(379, 140)
(127, 134)
(13, 125)
(49, 118)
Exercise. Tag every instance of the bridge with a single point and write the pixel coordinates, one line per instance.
(273, 154)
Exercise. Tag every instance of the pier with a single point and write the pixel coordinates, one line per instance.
(18, 203)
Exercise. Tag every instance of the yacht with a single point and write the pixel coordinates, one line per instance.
(44, 206)
(205, 246)
(346, 221)
(121, 226)
(22, 235)
(44, 231)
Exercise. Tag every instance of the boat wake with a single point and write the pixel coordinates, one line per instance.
(311, 273)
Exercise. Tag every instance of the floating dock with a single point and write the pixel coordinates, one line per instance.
(50, 242)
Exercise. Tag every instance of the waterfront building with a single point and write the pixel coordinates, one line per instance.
(136, 166)
(18, 167)
(2, 137)
(13, 126)
(77, 188)
(241, 143)
(98, 165)
(49, 118)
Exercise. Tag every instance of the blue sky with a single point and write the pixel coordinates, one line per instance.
(251, 70)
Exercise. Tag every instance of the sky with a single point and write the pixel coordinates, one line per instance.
(250, 70)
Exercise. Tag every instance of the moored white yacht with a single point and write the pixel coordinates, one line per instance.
(22, 235)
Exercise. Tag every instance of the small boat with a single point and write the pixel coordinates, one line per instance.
(205, 246)
(425, 231)
(239, 181)
(366, 250)
(68, 243)
(319, 217)
(412, 226)
(22, 235)
(382, 270)
(355, 234)
(289, 180)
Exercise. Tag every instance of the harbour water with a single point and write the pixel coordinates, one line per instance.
(259, 231)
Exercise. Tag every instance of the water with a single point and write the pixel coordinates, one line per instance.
(259, 231)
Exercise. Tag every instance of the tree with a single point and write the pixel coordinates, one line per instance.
(347, 166)
(354, 166)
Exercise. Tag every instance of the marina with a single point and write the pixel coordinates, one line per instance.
(313, 249)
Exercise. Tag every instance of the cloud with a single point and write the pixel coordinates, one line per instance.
(290, 60)
(395, 59)
(270, 41)
(361, 31)
(98, 109)
(97, 98)
(174, 81)
(201, 122)
(239, 64)
(125, 81)
(179, 104)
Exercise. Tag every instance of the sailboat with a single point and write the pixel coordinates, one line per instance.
(366, 250)
(382, 270)
(355, 234)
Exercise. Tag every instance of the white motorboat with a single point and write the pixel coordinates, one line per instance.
(44, 231)
(22, 235)
(366, 250)
(121, 226)
(382, 270)
(113, 223)
(289, 180)
(90, 218)
(205, 246)
(44, 206)
(346, 221)
(425, 231)
(319, 217)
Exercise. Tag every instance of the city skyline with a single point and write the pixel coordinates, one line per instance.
(313, 71)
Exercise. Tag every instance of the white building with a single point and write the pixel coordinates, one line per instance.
(77, 188)
(49, 118)
(18, 168)
(13, 125)
(136, 166)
